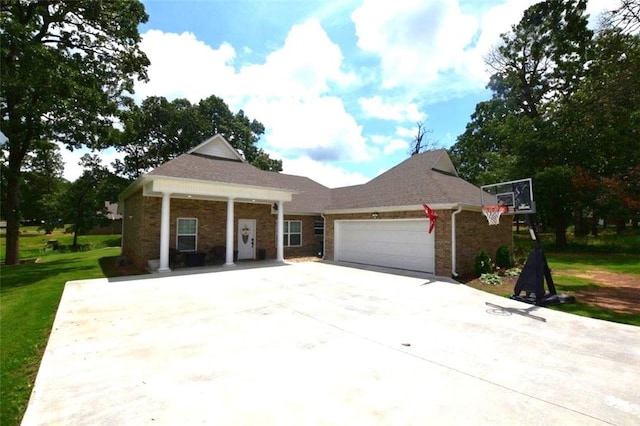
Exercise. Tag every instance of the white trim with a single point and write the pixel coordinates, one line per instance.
(279, 237)
(220, 139)
(178, 234)
(412, 207)
(230, 225)
(454, 247)
(165, 228)
(289, 232)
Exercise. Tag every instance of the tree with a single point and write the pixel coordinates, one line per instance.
(42, 175)
(66, 67)
(417, 145)
(538, 65)
(626, 17)
(82, 202)
(159, 130)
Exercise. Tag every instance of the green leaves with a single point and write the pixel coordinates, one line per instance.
(564, 111)
(66, 67)
(159, 130)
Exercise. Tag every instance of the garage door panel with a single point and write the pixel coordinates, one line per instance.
(402, 244)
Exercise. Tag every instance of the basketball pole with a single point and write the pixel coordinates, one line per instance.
(534, 274)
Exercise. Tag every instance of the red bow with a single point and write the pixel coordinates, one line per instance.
(431, 215)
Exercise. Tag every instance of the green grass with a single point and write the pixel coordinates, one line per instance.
(29, 298)
(621, 263)
(34, 243)
(590, 311)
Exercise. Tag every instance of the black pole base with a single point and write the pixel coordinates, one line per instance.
(547, 300)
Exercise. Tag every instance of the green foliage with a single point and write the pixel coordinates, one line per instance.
(159, 130)
(503, 257)
(512, 272)
(491, 279)
(482, 263)
(565, 111)
(66, 68)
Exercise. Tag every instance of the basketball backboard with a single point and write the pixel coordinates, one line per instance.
(516, 195)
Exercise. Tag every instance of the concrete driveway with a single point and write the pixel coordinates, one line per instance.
(318, 343)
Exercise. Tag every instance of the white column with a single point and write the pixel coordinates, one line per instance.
(164, 233)
(230, 226)
(280, 235)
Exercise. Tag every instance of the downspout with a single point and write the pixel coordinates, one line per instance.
(122, 231)
(324, 234)
(454, 274)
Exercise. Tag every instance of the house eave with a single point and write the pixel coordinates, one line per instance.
(410, 207)
(155, 186)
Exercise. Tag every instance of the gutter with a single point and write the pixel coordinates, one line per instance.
(454, 274)
(324, 235)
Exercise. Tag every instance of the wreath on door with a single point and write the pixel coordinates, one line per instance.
(245, 234)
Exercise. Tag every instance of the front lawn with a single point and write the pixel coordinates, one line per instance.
(29, 298)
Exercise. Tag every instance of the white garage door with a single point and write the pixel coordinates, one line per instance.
(404, 244)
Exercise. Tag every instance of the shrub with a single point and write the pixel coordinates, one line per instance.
(483, 264)
(491, 279)
(503, 257)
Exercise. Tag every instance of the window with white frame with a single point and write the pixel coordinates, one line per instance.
(292, 233)
(318, 227)
(187, 234)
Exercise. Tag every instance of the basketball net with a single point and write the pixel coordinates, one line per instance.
(493, 213)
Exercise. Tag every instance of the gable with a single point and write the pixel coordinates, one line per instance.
(444, 164)
(217, 147)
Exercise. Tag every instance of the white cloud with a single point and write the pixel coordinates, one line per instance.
(377, 107)
(315, 126)
(323, 173)
(73, 170)
(307, 64)
(184, 67)
(388, 146)
(395, 145)
(417, 41)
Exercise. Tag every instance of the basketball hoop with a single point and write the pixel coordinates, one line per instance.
(493, 213)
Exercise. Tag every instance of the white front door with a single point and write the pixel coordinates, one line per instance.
(246, 239)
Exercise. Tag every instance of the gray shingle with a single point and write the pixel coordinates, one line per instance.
(414, 181)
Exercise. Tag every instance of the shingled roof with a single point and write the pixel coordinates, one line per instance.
(429, 178)
(311, 196)
(423, 178)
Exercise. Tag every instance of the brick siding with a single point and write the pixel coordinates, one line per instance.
(141, 239)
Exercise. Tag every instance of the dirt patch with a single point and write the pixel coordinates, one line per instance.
(616, 291)
(612, 291)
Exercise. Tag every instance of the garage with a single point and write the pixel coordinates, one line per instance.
(403, 244)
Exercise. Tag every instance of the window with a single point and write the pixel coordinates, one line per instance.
(292, 233)
(318, 227)
(187, 234)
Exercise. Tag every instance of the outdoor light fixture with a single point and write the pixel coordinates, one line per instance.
(374, 215)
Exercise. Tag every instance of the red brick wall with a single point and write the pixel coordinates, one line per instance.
(141, 239)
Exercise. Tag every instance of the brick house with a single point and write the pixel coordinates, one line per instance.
(209, 205)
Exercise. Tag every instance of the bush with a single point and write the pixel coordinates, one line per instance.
(503, 257)
(491, 279)
(483, 264)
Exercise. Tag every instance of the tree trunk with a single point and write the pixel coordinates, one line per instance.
(12, 256)
(594, 225)
(620, 224)
(561, 236)
(74, 246)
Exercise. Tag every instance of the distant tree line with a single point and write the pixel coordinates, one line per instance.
(565, 111)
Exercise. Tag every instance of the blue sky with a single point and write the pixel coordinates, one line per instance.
(339, 85)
